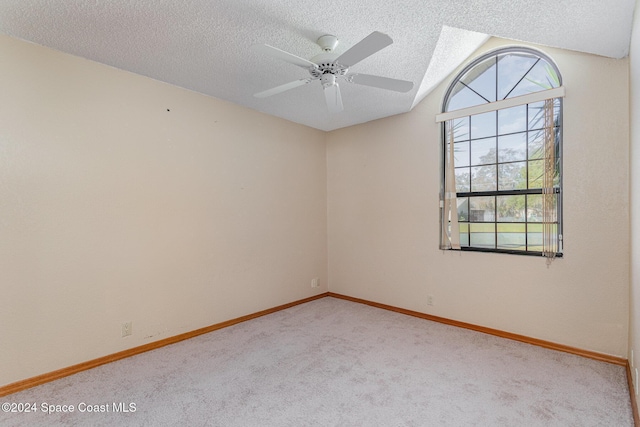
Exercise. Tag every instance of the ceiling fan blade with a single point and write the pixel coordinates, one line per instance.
(284, 56)
(364, 48)
(381, 82)
(282, 88)
(333, 98)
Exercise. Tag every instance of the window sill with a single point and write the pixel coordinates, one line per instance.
(502, 251)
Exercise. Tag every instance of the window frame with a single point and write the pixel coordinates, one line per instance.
(444, 143)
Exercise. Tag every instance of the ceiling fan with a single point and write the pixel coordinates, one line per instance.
(329, 68)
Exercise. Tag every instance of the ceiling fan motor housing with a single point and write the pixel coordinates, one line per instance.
(328, 68)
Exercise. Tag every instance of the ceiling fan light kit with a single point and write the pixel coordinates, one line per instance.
(328, 68)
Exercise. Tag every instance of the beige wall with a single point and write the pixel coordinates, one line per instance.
(114, 209)
(634, 296)
(383, 186)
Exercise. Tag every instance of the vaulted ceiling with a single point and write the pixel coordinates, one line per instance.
(205, 45)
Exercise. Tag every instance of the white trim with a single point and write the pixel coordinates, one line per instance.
(530, 98)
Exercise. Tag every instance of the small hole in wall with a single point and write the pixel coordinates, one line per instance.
(168, 109)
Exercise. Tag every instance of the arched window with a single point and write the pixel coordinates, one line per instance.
(502, 155)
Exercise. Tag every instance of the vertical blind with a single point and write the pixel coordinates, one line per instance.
(450, 229)
(549, 236)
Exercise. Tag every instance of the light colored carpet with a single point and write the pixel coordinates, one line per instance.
(331, 362)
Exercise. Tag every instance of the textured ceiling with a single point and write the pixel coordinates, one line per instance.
(205, 45)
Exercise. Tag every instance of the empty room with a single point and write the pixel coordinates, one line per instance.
(278, 213)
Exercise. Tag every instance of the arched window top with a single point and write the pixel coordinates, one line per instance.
(502, 74)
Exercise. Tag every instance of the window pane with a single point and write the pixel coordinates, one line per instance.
(483, 125)
(461, 129)
(463, 177)
(536, 152)
(554, 202)
(536, 172)
(512, 176)
(512, 119)
(463, 208)
(483, 178)
(534, 208)
(536, 144)
(461, 153)
(464, 234)
(482, 79)
(536, 115)
(482, 209)
(511, 68)
(482, 235)
(512, 236)
(541, 77)
(525, 87)
(483, 151)
(512, 148)
(556, 176)
(556, 109)
(463, 97)
(534, 237)
(511, 208)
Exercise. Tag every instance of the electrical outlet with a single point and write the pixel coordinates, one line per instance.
(429, 299)
(314, 282)
(127, 329)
